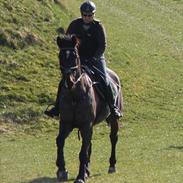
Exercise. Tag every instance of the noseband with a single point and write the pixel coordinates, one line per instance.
(69, 70)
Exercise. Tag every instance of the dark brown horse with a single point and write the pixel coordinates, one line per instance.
(81, 107)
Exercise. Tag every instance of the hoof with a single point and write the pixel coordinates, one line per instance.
(112, 170)
(62, 175)
(86, 176)
(79, 181)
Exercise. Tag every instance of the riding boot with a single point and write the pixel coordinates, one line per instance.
(54, 111)
(115, 111)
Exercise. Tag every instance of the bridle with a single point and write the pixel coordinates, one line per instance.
(69, 70)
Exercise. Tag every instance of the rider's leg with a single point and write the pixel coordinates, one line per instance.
(54, 111)
(100, 68)
(111, 102)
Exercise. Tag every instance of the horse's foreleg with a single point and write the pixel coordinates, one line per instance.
(84, 154)
(114, 138)
(89, 155)
(62, 173)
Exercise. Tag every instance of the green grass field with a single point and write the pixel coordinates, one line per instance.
(145, 48)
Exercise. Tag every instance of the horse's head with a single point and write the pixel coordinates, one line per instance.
(68, 57)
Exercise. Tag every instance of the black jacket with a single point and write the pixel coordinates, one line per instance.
(92, 36)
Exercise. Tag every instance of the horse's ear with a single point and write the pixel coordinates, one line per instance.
(59, 41)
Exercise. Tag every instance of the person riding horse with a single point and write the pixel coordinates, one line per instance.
(92, 37)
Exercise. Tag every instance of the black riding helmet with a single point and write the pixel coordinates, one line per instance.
(88, 7)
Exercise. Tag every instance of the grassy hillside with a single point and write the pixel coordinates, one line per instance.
(145, 43)
(28, 60)
(145, 48)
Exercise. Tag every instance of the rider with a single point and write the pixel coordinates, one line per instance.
(91, 51)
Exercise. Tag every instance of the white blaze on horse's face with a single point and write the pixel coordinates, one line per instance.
(67, 54)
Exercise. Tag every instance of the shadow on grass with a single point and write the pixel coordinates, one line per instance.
(53, 180)
(176, 147)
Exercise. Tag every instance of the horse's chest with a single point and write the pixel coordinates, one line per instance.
(77, 111)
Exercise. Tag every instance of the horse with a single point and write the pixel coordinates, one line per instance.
(81, 107)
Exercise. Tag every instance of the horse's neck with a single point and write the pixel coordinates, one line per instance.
(84, 84)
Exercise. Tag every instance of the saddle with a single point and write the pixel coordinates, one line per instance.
(98, 82)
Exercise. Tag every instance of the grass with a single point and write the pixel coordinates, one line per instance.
(145, 48)
(27, 64)
(153, 156)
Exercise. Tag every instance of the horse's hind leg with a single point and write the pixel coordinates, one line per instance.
(64, 131)
(113, 138)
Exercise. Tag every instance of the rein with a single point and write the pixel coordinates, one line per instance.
(78, 80)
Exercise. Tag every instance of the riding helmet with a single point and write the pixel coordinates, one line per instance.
(88, 7)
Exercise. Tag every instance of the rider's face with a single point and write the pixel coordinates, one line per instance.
(87, 17)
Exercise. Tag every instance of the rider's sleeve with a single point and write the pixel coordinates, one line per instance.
(74, 27)
(101, 38)
(71, 28)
